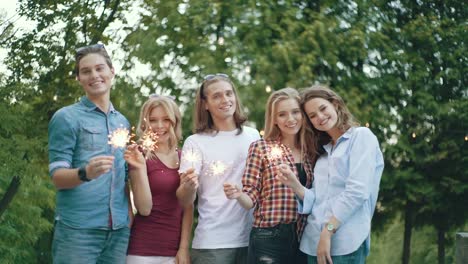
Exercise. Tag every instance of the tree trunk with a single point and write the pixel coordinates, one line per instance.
(408, 231)
(9, 194)
(441, 245)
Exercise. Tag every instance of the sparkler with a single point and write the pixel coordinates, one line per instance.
(119, 138)
(148, 142)
(191, 156)
(276, 154)
(218, 168)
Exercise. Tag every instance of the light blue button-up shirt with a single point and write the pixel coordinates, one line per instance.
(78, 133)
(346, 185)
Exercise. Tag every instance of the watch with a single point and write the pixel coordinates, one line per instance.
(82, 174)
(331, 228)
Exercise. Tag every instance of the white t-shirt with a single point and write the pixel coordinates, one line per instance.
(219, 158)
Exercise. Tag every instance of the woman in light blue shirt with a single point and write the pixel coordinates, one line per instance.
(347, 175)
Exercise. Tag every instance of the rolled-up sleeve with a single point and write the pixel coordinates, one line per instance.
(358, 184)
(62, 142)
(251, 180)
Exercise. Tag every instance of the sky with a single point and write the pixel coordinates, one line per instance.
(8, 7)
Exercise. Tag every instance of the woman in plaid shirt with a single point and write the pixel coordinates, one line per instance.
(277, 226)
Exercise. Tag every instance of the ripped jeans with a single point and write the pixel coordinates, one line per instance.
(273, 245)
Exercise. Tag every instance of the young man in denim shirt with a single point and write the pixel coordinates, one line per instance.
(92, 214)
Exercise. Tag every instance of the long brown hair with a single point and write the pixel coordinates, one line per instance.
(202, 120)
(317, 138)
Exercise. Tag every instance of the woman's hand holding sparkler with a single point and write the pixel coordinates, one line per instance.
(98, 166)
(134, 157)
(189, 179)
(287, 177)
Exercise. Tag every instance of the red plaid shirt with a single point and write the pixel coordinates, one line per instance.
(273, 201)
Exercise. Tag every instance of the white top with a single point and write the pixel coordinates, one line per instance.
(219, 158)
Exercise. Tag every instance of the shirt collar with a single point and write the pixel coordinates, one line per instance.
(343, 137)
(90, 106)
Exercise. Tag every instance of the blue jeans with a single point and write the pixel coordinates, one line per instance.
(76, 246)
(273, 245)
(356, 257)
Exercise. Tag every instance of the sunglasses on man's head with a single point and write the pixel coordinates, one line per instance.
(212, 76)
(94, 46)
(166, 96)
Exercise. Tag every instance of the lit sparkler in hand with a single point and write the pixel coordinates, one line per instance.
(119, 138)
(148, 142)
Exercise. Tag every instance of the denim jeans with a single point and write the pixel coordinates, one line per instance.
(270, 245)
(77, 246)
(219, 256)
(356, 257)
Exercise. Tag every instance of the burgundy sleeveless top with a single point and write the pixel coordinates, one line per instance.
(159, 233)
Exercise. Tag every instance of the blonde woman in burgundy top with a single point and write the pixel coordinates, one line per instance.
(161, 229)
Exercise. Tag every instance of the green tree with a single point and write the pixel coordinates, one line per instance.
(421, 61)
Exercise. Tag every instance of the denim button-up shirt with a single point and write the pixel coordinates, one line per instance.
(78, 133)
(346, 185)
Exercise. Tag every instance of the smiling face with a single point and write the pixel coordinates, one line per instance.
(220, 101)
(322, 114)
(288, 117)
(160, 123)
(95, 75)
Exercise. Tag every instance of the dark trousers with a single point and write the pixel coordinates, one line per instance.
(273, 245)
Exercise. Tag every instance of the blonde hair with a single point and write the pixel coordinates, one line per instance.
(172, 111)
(202, 119)
(272, 131)
(344, 122)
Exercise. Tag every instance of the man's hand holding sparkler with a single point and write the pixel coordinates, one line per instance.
(232, 191)
(99, 165)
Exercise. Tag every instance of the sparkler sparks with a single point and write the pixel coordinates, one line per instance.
(275, 153)
(119, 138)
(148, 142)
(275, 156)
(218, 168)
(191, 156)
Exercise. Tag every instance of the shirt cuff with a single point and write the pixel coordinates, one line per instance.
(305, 206)
(58, 165)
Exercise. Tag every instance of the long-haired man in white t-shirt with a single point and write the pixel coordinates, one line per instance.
(216, 154)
